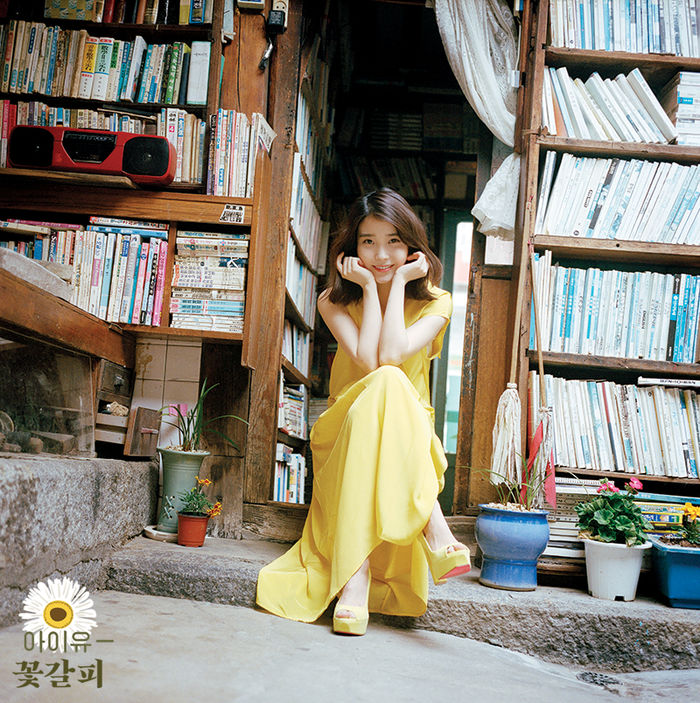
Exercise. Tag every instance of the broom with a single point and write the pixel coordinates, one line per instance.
(540, 464)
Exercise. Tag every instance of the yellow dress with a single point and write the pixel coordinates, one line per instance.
(378, 468)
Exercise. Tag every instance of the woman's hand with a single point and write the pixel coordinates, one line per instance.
(351, 269)
(416, 267)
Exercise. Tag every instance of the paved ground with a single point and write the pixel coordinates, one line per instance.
(174, 650)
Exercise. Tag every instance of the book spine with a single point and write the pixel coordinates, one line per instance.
(160, 284)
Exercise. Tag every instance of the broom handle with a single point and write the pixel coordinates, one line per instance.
(522, 272)
(540, 363)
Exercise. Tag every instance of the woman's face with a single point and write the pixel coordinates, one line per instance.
(380, 248)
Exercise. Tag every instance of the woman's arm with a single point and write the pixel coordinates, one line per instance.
(362, 343)
(397, 342)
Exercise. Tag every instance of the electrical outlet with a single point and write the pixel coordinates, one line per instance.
(282, 5)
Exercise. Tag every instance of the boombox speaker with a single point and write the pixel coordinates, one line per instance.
(145, 159)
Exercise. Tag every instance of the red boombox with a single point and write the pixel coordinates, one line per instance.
(145, 159)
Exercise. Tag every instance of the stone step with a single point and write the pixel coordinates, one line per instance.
(561, 625)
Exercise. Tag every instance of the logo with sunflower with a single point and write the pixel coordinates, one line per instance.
(60, 606)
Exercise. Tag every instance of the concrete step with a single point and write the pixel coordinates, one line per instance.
(561, 625)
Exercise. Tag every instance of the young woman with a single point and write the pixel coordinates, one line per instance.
(374, 525)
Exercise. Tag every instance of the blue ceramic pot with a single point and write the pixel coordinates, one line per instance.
(511, 542)
(677, 573)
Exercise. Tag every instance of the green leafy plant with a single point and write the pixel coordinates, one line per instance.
(690, 529)
(194, 502)
(191, 425)
(613, 516)
(515, 495)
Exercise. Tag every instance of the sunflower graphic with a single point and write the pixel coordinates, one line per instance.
(60, 606)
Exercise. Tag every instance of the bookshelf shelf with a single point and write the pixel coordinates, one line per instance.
(292, 312)
(293, 374)
(312, 192)
(650, 253)
(300, 253)
(615, 364)
(657, 68)
(134, 203)
(135, 109)
(165, 332)
(632, 150)
(118, 29)
(290, 440)
(619, 474)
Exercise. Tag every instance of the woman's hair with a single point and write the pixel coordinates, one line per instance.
(385, 204)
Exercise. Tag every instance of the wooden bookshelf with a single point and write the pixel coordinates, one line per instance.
(630, 255)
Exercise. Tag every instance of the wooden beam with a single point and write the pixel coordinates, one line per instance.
(30, 311)
(140, 204)
(284, 77)
(221, 364)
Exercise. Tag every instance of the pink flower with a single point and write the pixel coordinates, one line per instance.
(608, 486)
(636, 484)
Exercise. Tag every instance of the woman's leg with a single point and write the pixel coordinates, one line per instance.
(354, 592)
(438, 532)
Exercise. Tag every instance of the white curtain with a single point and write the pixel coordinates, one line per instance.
(480, 40)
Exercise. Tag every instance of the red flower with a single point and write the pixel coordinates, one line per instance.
(608, 486)
(636, 484)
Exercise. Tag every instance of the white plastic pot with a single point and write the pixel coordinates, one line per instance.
(613, 569)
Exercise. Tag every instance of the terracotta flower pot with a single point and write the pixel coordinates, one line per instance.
(191, 529)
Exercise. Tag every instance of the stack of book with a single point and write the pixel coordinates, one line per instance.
(564, 542)
(450, 127)
(681, 100)
(296, 347)
(208, 285)
(301, 285)
(621, 109)
(118, 266)
(664, 512)
(290, 475)
(120, 270)
(43, 241)
(410, 176)
(132, 11)
(633, 199)
(293, 408)
(605, 426)
(395, 130)
(629, 314)
(662, 26)
(235, 141)
(313, 138)
(309, 228)
(61, 62)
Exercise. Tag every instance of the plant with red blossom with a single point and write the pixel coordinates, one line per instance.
(613, 516)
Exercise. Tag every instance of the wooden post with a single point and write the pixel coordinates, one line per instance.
(262, 432)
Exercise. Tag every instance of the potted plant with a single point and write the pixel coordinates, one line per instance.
(182, 462)
(676, 560)
(193, 516)
(512, 533)
(612, 527)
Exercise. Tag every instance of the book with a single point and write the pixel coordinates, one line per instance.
(87, 71)
(198, 77)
